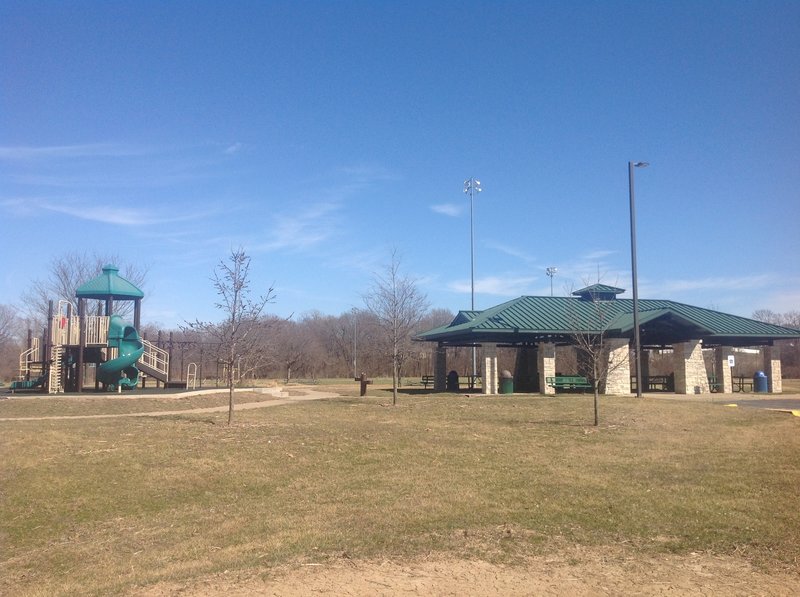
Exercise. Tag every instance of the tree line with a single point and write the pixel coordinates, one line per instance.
(375, 338)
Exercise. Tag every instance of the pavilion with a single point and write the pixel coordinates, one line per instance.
(535, 325)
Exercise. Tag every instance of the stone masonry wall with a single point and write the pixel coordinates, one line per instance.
(690, 368)
(546, 364)
(772, 367)
(618, 380)
(724, 377)
(490, 369)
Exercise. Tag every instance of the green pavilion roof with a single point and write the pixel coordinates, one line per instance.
(532, 319)
(109, 284)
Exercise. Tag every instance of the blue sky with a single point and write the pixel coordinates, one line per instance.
(320, 135)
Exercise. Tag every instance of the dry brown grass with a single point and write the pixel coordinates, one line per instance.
(103, 507)
(21, 406)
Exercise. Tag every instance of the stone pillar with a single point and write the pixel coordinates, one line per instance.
(690, 368)
(440, 369)
(645, 369)
(526, 378)
(772, 367)
(546, 365)
(618, 378)
(724, 376)
(489, 368)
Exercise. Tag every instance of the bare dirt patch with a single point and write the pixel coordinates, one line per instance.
(576, 572)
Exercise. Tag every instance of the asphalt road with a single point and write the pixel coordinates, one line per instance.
(771, 403)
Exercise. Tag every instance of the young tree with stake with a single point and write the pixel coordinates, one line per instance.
(237, 334)
(398, 307)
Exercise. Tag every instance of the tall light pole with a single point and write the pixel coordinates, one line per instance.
(472, 186)
(551, 271)
(637, 346)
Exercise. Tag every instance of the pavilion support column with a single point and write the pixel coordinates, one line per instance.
(546, 365)
(723, 369)
(489, 368)
(772, 367)
(526, 377)
(440, 369)
(690, 368)
(618, 378)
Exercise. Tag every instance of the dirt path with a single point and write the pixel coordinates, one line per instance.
(281, 399)
(575, 572)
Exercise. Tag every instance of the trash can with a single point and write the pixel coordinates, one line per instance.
(452, 381)
(760, 382)
(506, 382)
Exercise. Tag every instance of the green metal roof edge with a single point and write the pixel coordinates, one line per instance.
(109, 284)
(713, 323)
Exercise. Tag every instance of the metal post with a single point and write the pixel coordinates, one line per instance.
(637, 348)
(471, 186)
(551, 272)
(355, 343)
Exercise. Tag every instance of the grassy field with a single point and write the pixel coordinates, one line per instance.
(108, 506)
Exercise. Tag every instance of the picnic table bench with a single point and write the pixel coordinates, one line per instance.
(470, 381)
(568, 382)
(742, 384)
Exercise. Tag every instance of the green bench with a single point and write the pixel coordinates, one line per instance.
(568, 382)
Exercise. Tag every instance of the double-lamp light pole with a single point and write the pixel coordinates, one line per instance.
(637, 346)
(472, 186)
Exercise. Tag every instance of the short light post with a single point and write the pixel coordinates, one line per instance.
(551, 271)
(355, 343)
(472, 186)
(637, 347)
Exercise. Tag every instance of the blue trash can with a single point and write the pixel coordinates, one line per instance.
(760, 382)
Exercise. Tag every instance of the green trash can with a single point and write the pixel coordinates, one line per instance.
(506, 382)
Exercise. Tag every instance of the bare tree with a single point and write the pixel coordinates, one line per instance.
(589, 319)
(10, 340)
(789, 349)
(67, 271)
(398, 306)
(292, 348)
(237, 334)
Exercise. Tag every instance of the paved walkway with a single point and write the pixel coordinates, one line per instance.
(282, 398)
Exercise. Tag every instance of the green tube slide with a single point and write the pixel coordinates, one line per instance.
(121, 371)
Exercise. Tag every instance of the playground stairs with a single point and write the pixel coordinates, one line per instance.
(154, 361)
(28, 359)
(54, 379)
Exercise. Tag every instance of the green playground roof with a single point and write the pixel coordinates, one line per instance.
(594, 310)
(109, 284)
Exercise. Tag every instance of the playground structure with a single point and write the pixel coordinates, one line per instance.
(74, 341)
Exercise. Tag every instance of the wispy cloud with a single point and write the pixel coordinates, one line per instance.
(302, 230)
(597, 254)
(667, 288)
(233, 148)
(447, 209)
(83, 210)
(496, 285)
(68, 151)
(512, 251)
(365, 173)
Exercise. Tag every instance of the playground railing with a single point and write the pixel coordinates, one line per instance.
(67, 330)
(97, 329)
(27, 357)
(155, 357)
